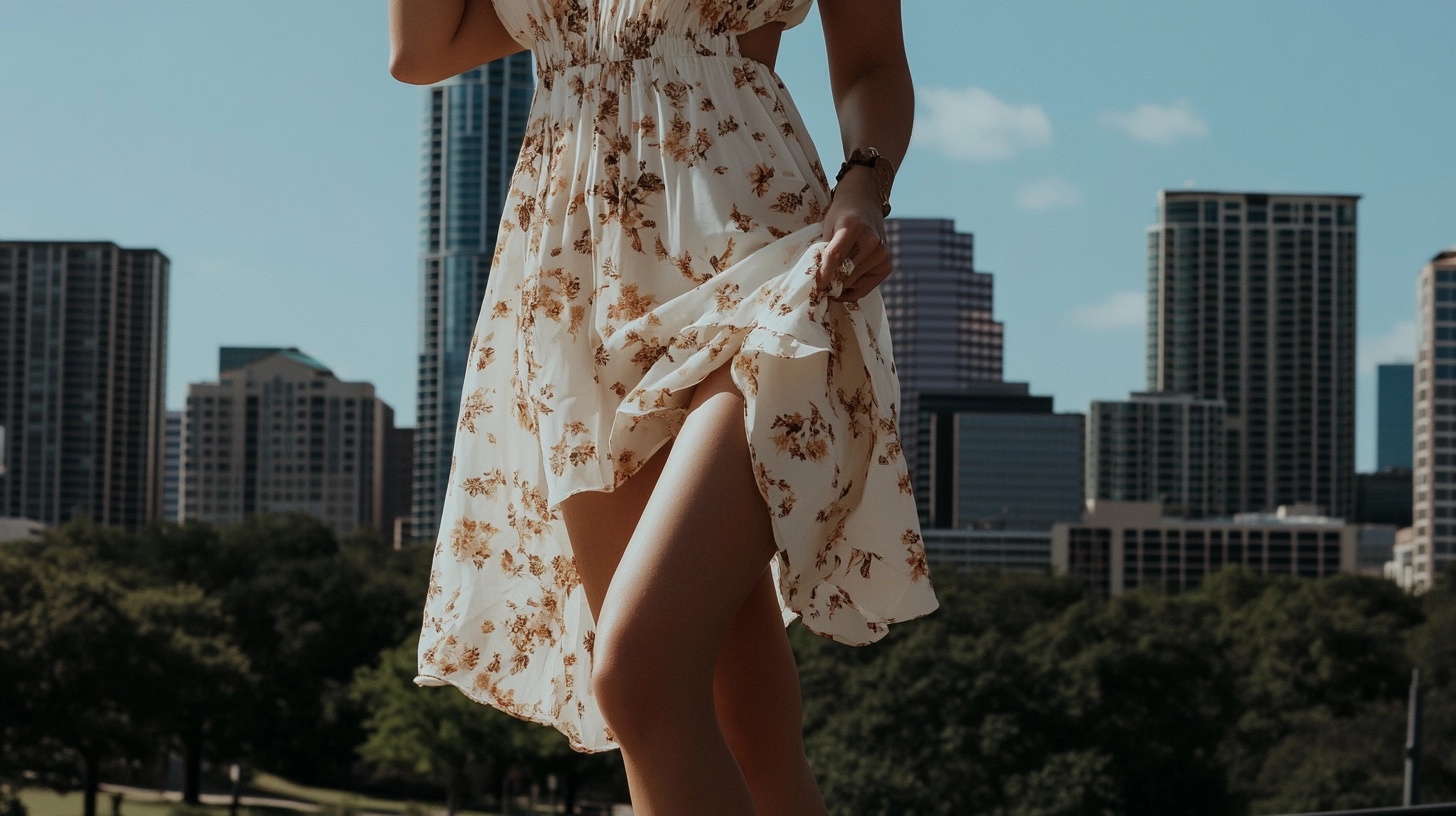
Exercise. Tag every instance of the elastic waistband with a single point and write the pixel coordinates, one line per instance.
(556, 62)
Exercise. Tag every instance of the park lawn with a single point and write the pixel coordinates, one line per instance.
(272, 783)
(46, 802)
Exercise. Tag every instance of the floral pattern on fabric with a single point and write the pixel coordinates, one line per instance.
(664, 218)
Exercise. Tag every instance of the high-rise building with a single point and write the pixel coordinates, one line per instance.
(172, 467)
(1394, 415)
(1435, 420)
(83, 339)
(1159, 447)
(278, 432)
(473, 127)
(1251, 300)
(943, 335)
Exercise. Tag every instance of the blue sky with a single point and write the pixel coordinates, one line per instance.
(265, 149)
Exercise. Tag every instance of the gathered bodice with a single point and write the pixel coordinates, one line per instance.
(566, 33)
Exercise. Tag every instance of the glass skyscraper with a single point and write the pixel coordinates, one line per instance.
(473, 127)
(1394, 428)
(944, 336)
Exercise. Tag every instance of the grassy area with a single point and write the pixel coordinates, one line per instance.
(42, 802)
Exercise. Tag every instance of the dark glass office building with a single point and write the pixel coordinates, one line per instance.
(943, 334)
(1251, 300)
(1394, 415)
(473, 127)
(83, 349)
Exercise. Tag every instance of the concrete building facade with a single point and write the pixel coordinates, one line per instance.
(1435, 420)
(1122, 545)
(83, 337)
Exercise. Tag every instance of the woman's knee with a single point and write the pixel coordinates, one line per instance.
(633, 678)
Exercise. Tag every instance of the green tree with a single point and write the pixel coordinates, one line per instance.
(435, 733)
(939, 715)
(192, 674)
(1303, 652)
(78, 704)
(1137, 682)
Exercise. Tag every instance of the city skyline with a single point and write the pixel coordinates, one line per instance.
(269, 154)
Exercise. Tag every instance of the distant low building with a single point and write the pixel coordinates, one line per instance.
(15, 529)
(1121, 545)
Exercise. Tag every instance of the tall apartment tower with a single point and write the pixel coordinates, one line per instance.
(1251, 300)
(83, 339)
(1435, 420)
(1158, 447)
(278, 432)
(942, 332)
(473, 127)
(1394, 415)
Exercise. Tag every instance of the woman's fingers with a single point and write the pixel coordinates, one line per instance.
(868, 261)
(855, 242)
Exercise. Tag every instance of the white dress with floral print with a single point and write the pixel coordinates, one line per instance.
(664, 219)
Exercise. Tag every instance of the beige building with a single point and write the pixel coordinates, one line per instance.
(280, 433)
(1120, 545)
(1434, 487)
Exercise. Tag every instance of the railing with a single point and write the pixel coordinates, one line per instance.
(1447, 809)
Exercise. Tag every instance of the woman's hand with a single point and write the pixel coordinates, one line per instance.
(855, 230)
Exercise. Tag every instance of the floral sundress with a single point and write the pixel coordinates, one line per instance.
(664, 218)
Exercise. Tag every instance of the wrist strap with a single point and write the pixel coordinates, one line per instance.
(871, 158)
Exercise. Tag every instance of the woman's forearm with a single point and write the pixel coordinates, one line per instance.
(877, 109)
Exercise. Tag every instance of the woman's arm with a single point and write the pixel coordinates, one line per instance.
(431, 40)
(873, 95)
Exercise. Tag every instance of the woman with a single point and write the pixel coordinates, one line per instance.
(672, 275)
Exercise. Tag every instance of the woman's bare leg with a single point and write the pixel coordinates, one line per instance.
(755, 683)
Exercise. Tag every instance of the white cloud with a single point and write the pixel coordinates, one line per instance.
(971, 123)
(1122, 310)
(1047, 194)
(1395, 346)
(1158, 124)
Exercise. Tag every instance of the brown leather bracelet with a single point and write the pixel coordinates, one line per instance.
(871, 158)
